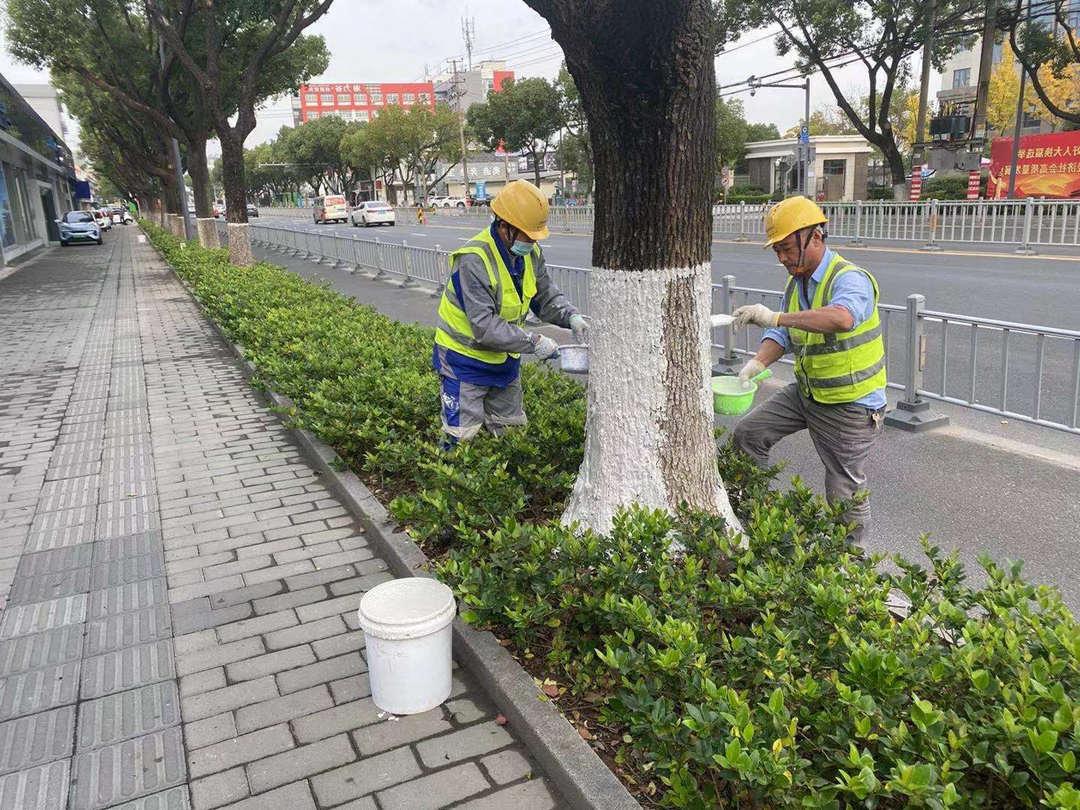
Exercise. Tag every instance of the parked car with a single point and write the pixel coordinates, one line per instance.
(219, 210)
(252, 210)
(78, 226)
(451, 202)
(331, 208)
(103, 220)
(119, 216)
(372, 212)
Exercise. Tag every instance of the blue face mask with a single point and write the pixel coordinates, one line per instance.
(521, 248)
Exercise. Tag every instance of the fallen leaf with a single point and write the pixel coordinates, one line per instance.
(550, 688)
(586, 734)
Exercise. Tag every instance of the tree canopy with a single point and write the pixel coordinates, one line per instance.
(522, 117)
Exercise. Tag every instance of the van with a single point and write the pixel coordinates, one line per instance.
(331, 208)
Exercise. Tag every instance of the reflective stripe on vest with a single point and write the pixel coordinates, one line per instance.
(841, 367)
(453, 329)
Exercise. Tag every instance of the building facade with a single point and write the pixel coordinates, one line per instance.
(45, 101)
(37, 177)
(359, 101)
(838, 166)
(470, 87)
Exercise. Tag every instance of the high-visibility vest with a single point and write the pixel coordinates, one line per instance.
(454, 330)
(841, 367)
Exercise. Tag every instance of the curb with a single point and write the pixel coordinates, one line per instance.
(577, 772)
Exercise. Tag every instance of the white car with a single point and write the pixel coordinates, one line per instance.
(450, 202)
(103, 220)
(371, 212)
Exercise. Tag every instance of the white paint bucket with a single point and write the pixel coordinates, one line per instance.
(574, 358)
(406, 624)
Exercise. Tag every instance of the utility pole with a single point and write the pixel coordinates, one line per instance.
(986, 59)
(174, 156)
(924, 83)
(458, 93)
(1019, 124)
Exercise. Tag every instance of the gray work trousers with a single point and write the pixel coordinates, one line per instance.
(842, 434)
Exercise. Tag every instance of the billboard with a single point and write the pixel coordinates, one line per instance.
(1047, 166)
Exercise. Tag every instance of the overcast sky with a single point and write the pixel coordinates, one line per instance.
(401, 39)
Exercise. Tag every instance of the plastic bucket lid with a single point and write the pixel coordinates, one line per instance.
(411, 607)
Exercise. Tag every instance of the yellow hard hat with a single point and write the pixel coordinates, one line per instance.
(524, 206)
(790, 215)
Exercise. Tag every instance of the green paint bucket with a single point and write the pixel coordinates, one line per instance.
(731, 397)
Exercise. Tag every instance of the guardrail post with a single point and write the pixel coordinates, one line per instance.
(339, 260)
(912, 413)
(1025, 248)
(856, 239)
(742, 237)
(353, 266)
(727, 361)
(321, 254)
(440, 282)
(408, 280)
(380, 268)
(933, 224)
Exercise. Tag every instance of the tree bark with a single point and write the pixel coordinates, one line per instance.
(536, 168)
(232, 176)
(649, 430)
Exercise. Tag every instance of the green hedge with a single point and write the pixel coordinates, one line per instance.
(770, 675)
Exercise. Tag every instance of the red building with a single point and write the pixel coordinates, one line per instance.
(361, 102)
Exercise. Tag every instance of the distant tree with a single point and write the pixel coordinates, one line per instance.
(413, 143)
(762, 132)
(314, 150)
(823, 121)
(879, 35)
(522, 117)
(1063, 92)
(732, 132)
(1049, 49)
(575, 148)
(242, 43)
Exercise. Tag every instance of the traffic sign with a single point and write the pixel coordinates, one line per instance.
(804, 134)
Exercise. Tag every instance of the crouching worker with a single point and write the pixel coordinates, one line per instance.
(496, 278)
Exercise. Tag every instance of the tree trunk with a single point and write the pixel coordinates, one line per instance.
(232, 177)
(199, 170)
(536, 167)
(649, 431)
(896, 169)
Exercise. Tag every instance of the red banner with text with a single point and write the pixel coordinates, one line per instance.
(1047, 166)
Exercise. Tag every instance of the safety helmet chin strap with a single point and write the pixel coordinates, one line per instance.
(804, 241)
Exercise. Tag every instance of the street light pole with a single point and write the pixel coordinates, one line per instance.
(802, 150)
(174, 146)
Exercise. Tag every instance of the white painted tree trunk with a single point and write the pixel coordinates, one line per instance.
(239, 236)
(208, 235)
(649, 429)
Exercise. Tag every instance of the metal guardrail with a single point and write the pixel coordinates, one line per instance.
(1026, 224)
(1019, 371)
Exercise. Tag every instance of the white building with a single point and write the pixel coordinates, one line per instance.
(44, 100)
(838, 166)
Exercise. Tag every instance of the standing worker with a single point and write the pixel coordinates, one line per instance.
(495, 280)
(829, 321)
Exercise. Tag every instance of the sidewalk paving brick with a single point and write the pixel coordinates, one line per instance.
(178, 586)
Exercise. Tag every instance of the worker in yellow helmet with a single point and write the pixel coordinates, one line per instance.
(829, 321)
(496, 279)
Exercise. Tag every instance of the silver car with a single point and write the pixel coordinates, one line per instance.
(78, 226)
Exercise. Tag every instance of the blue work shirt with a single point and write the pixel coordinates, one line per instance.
(852, 291)
(458, 366)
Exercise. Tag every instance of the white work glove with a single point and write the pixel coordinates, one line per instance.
(544, 347)
(579, 327)
(756, 314)
(752, 368)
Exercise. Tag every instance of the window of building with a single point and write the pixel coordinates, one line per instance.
(409, 99)
(376, 98)
(344, 98)
(961, 78)
(1031, 121)
(374, 114)
(834, 166)
(311, 116)
(489, 85)
(361, 99)
(391, 98)
(362, 115)
(424, 99)
(327, 98)
(311, 98)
